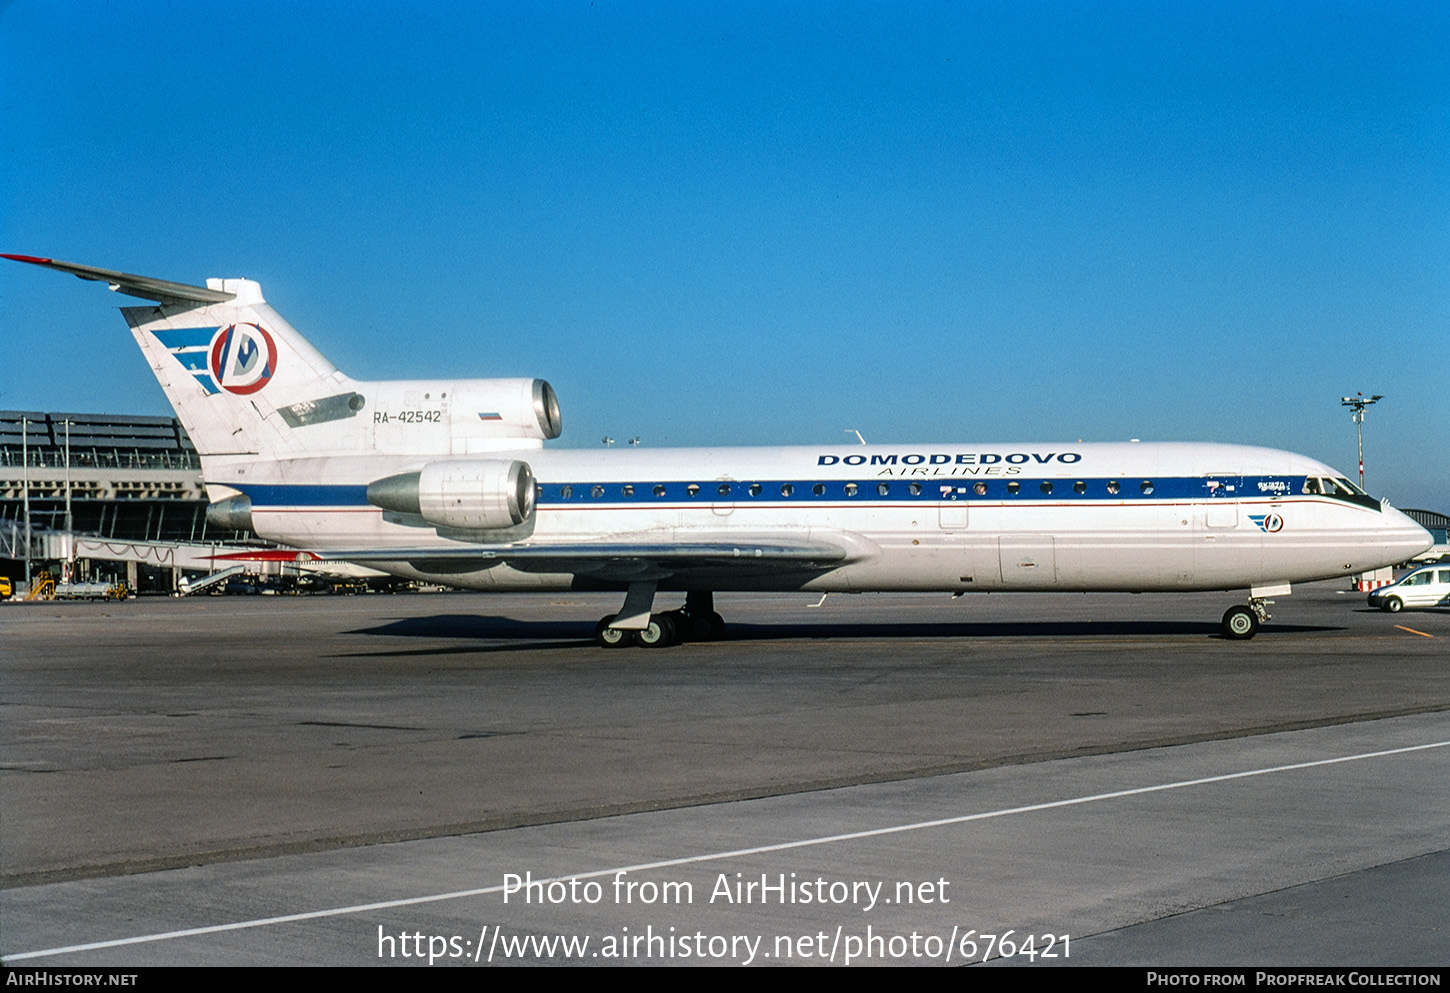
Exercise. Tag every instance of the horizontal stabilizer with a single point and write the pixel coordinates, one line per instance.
(145, 287)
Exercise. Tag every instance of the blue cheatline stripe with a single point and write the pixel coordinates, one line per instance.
(898, 492)
(305, 496)
(175, 338)
(933, 489)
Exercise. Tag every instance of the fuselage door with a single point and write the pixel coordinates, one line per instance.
(722, 500)
(1028, 561)
(1221, 495)
(952, 515)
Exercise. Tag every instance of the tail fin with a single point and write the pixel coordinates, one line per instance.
(238, 375)
(245, 383)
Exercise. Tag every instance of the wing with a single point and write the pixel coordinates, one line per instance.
(623, 561)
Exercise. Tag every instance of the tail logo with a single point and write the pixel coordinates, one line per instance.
(243, 358)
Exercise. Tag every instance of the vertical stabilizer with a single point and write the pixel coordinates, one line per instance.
(245, 383)
(238, 374)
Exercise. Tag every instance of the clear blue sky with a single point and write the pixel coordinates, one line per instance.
(765, 223)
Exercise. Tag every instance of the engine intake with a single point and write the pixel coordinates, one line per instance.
(475, 495)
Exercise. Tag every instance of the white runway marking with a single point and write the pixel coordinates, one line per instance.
(713, 856)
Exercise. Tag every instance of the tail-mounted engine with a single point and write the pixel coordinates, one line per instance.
(473, 495)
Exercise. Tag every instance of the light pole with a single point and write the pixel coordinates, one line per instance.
(1357, 403)
(25, 481)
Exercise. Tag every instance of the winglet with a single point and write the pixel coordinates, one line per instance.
(145, 287)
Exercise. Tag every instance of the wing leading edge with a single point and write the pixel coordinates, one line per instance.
(145, 287)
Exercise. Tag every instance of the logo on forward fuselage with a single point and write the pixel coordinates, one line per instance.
(1270, 523)
(243, 358)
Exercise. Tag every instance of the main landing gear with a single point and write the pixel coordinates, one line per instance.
(1242, 623)
(695, 621)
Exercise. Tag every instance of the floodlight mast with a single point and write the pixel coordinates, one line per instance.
(1357, 403)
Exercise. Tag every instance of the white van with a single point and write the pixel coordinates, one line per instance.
(1427, 587)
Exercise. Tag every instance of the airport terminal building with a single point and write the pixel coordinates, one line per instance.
(135, 481)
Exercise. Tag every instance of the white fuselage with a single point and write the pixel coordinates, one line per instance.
(1118, 517)
(402, 473)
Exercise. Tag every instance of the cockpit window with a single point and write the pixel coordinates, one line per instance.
(1340, 489)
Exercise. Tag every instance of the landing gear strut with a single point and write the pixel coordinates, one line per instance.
(695, 621)
(1242, 623)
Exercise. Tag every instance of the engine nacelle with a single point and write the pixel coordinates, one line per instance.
(509, 407)
(472, 494)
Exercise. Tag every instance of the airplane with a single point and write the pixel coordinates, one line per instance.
(448, 482)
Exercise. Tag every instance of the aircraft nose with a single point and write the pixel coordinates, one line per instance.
(1403, 536)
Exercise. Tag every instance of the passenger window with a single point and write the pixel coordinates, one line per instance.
(1418, 579)
(1046, 486)
(1147, 487)
(819, 489)
(1445, 575)
(659, 489)
(755, 489)
(1014, 487)
(915, 489)
(724, 489)
(883, 489)
(980, 489)
(628, 490)
(850, 489)
(786, 489)
(596, 492)
(693, 489)
(1079, 487)
(1113, 487)
(566, 491)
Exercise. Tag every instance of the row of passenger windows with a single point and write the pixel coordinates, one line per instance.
(1112, 488)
